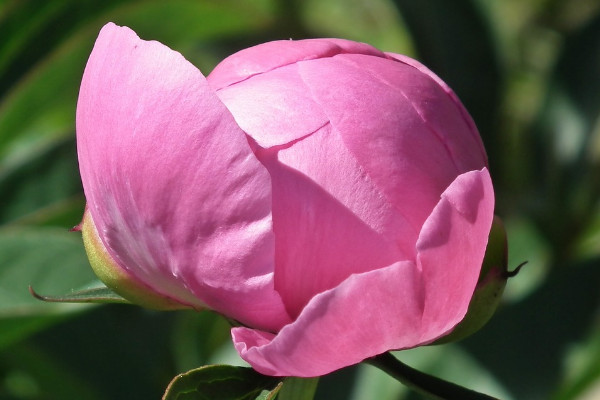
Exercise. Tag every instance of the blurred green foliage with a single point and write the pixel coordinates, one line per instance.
(528, 71)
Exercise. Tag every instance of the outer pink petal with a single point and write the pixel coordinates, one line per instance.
(405, 118)
(269, 56)
(396, 307)
(173, 188)
(450, 250)
(366, 315)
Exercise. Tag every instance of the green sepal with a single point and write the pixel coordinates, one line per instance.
(270, 394)
(223, 382)
(94, 295)
(116, 278)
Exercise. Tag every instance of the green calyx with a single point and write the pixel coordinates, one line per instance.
(489, 289)
(115, 277)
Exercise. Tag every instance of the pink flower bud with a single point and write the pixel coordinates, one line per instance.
(333, 199)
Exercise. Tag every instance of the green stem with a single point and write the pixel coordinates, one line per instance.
(427, 385)
(298, 388)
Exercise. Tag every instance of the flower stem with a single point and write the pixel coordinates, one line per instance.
(298, 388)
(427, 385)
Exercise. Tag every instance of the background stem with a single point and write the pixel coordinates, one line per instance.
(430, 386)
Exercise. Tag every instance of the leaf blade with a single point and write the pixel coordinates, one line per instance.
(221, 382)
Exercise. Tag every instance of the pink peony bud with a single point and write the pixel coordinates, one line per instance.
(333, 199)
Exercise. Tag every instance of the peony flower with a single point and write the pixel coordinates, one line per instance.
(333, 199)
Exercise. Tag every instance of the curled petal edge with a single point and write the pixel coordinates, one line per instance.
(356, 322)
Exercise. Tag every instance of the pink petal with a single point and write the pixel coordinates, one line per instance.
(176, 194)
(271, 55)
(395, 307)
(366, 315)
(274, 108)
(451, 247)
(330, 220)
(395, 111)
(474, 140)
(263, 89)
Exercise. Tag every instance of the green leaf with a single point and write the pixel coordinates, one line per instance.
(222, 382)
(54, 262)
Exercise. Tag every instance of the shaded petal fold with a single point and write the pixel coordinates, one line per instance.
(329, 219)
